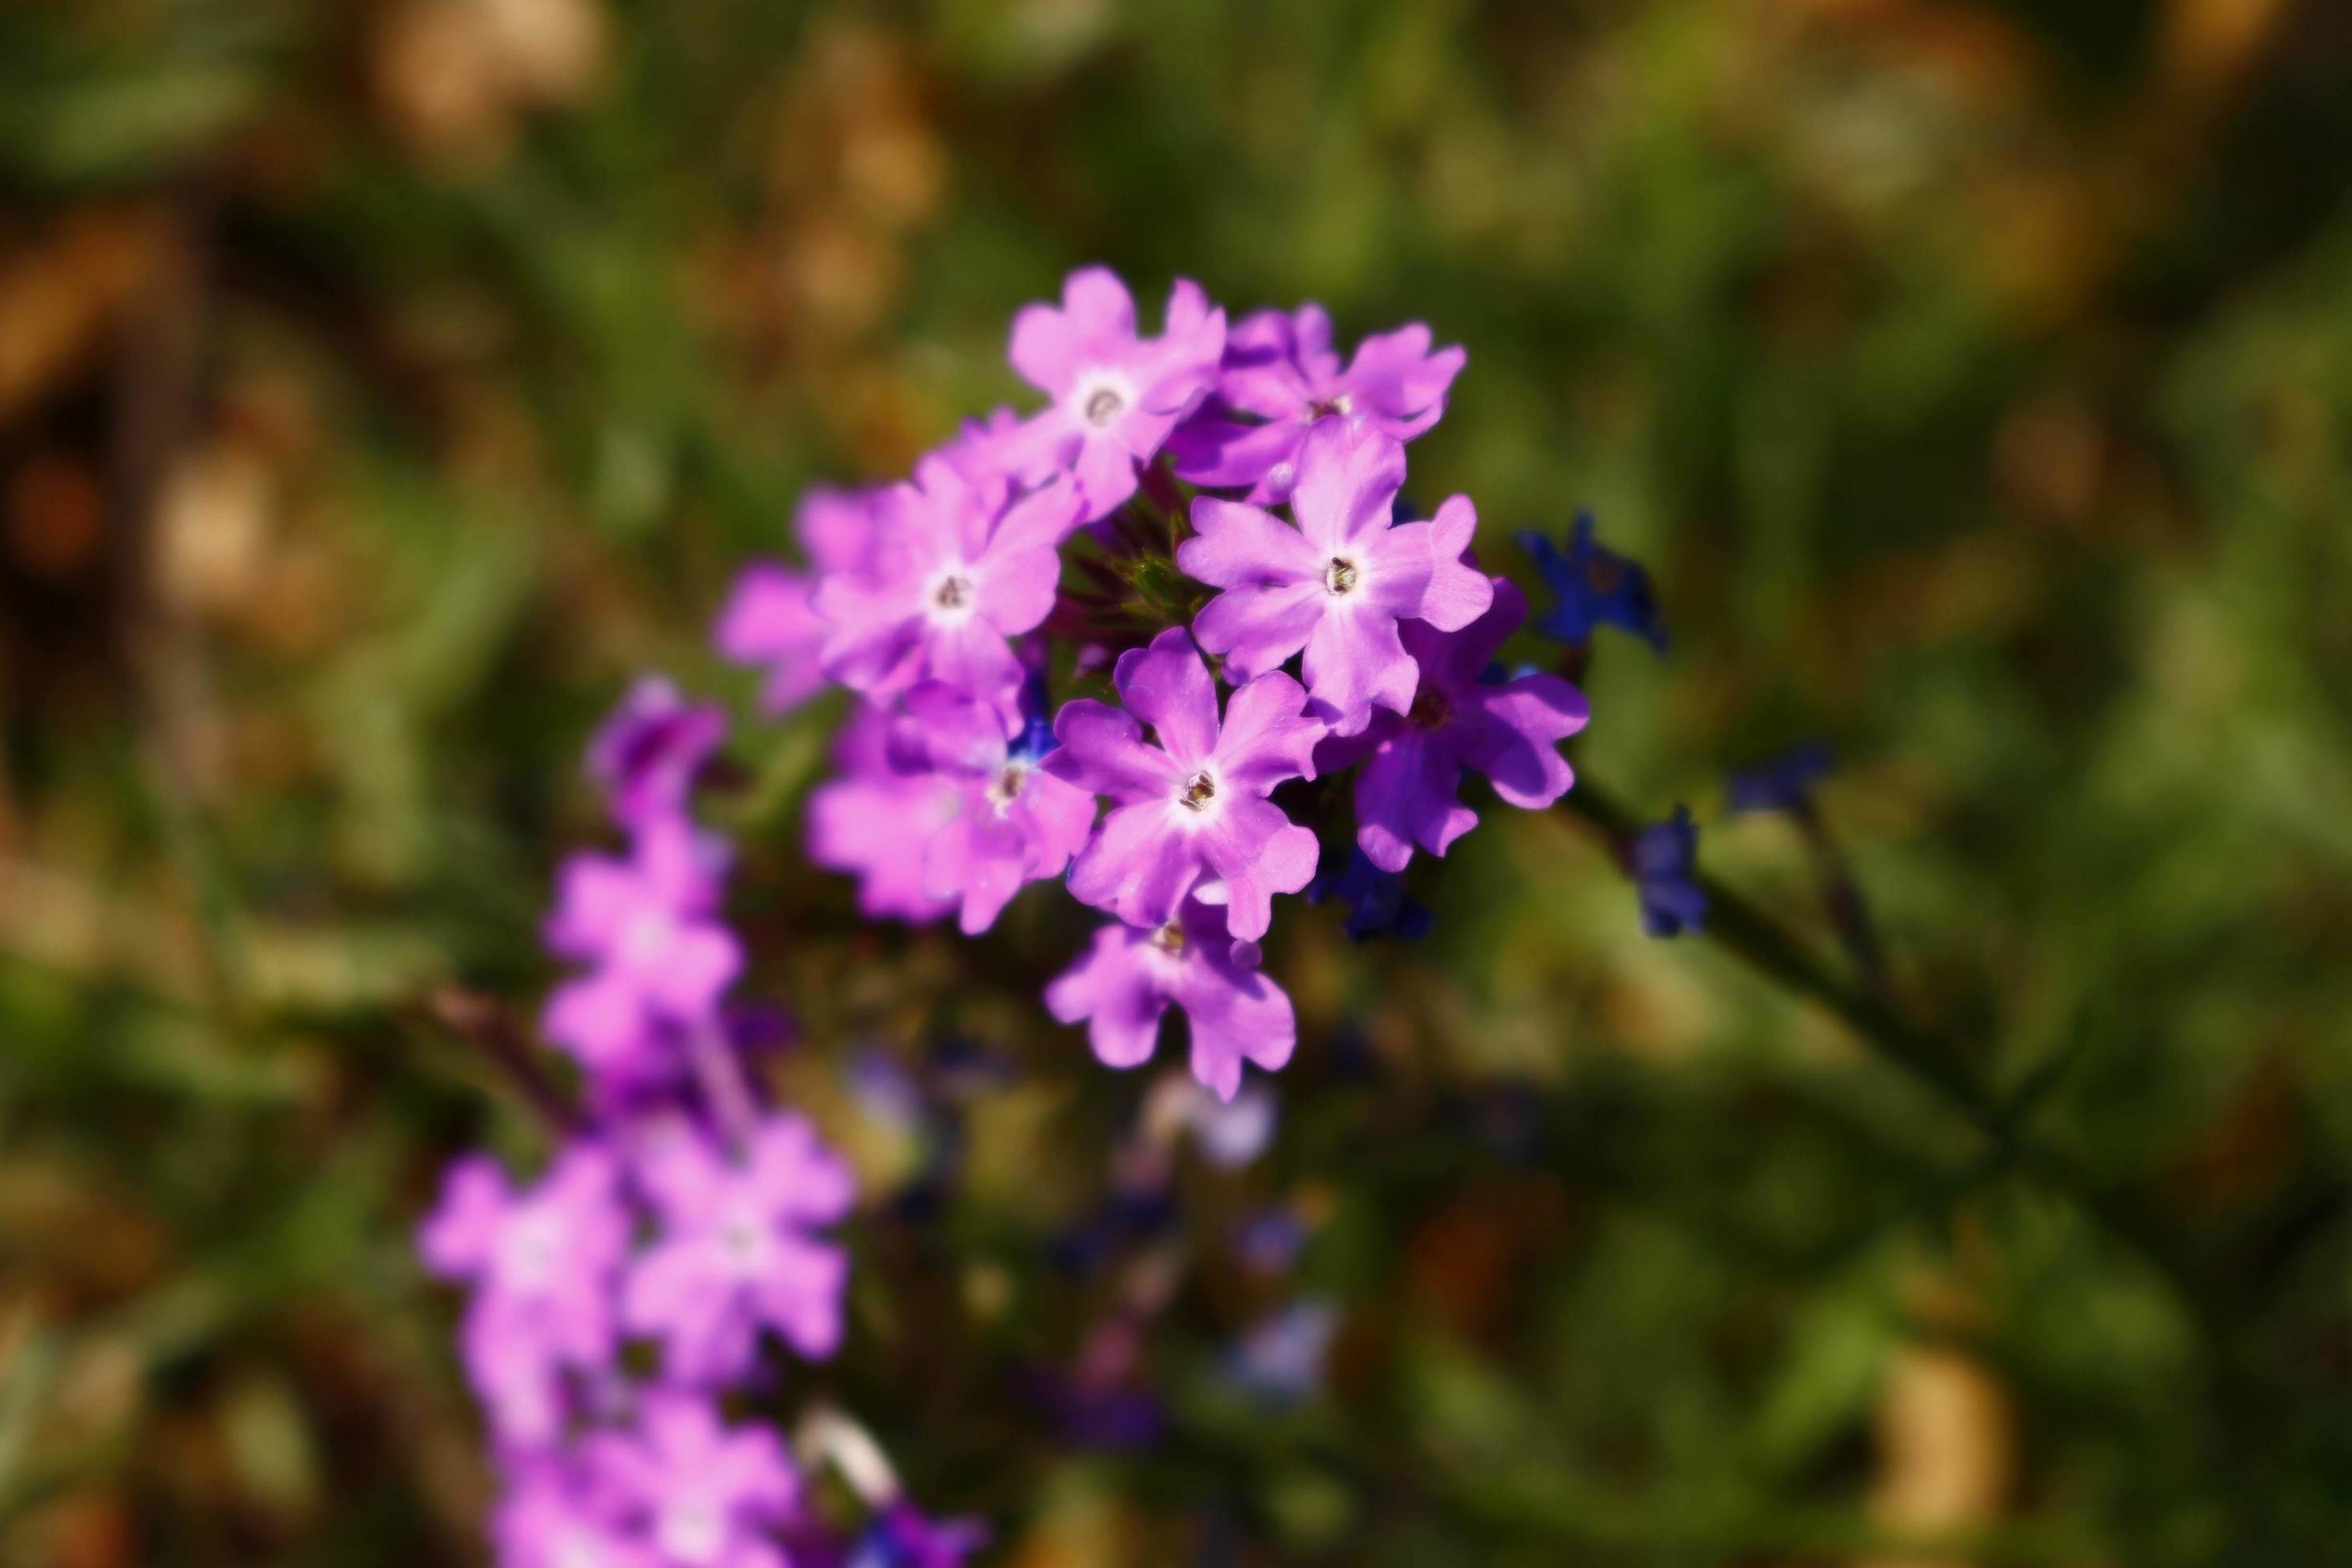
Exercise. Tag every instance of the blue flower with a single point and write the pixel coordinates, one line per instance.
(1594, 585)
(1281, 1361)
(1377, 903)
(1779, 784)
(1663, 861)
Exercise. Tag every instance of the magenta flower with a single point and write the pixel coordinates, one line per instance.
(1191, 813)
(738, 1250)
(1509, 731)
(1115, 397)
(771, 618)
(962, 564)
(1336, 584)
(650, 750)
(1123, 984)
(875, 823)
(648, 925)
(554, 1518)
(543, 1263)
(1013, 824)
(706, 1494)
(1282, 368)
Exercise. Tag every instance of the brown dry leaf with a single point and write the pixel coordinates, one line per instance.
(1948, 1448)
(58, 295)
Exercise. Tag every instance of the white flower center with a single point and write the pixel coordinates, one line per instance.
(952, 592)
(1340, 576)
(1198, 791)
(694, 1532)
(1006, 786)
(1101, 397)
(647, 937)
(528, 1252)
(1170, 939)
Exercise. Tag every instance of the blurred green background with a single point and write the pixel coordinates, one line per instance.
(383, 383)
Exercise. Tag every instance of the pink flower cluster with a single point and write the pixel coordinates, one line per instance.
(678, 1239)
(1039, 549)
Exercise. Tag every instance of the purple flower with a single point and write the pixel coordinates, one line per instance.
(1282, 368)
(553, 1517)
(1115, 397)
(738, 1249)
(704, 1493)
(543, 1263)
(661, 958)
(875, 823)
(960, 565)
(1782, 784)
(1337, 583)
(902, 1536)
(1129, 978)
(771, 618)
(1595, 587)
(1509, 731)
(1664, 862)
(1193, 806)
(1014, 823)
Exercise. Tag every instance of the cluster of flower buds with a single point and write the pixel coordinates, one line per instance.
(1209, 518)
(644, 1285)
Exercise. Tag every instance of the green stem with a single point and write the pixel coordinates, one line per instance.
(1764, 945)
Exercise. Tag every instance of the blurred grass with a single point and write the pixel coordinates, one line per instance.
(381, 383)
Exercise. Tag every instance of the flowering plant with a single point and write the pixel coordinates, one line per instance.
(1173, 640)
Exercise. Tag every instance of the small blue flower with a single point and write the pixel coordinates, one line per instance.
(902, 1538)
(1779, 784)
(1281, 1361)
(1663, 861)
(1595, 585)
(1377, 903)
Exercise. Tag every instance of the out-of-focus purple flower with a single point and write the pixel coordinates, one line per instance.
(1377, 905)
(1123, 984)
(661, 958)
(903, 1537)
(1780, 784)
(1336, 584)
(1271, 1240)
(1280, 366)
(1115, 397)
(1510, 731)
(1231, 1134)
(1014, 823)
(1281, 1361)
(543, 1263)
(771, 618)
(962, 563)
(649, 751)
(875, 823)
(1594, 587)
(1664, 862)
(705, 1494)
(739, 1250)
(553, 1517)
(1193, 806)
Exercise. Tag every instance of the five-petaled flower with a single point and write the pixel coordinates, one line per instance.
(1407, 792)
(960, 564)
(704, 1493)
(649, 925)
(1115, 397)
(1280, 367)
(738, 1250)
(1014, 823)
(1191, 813)
(1122, 985)
(1338, 584)
(543, 1262)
